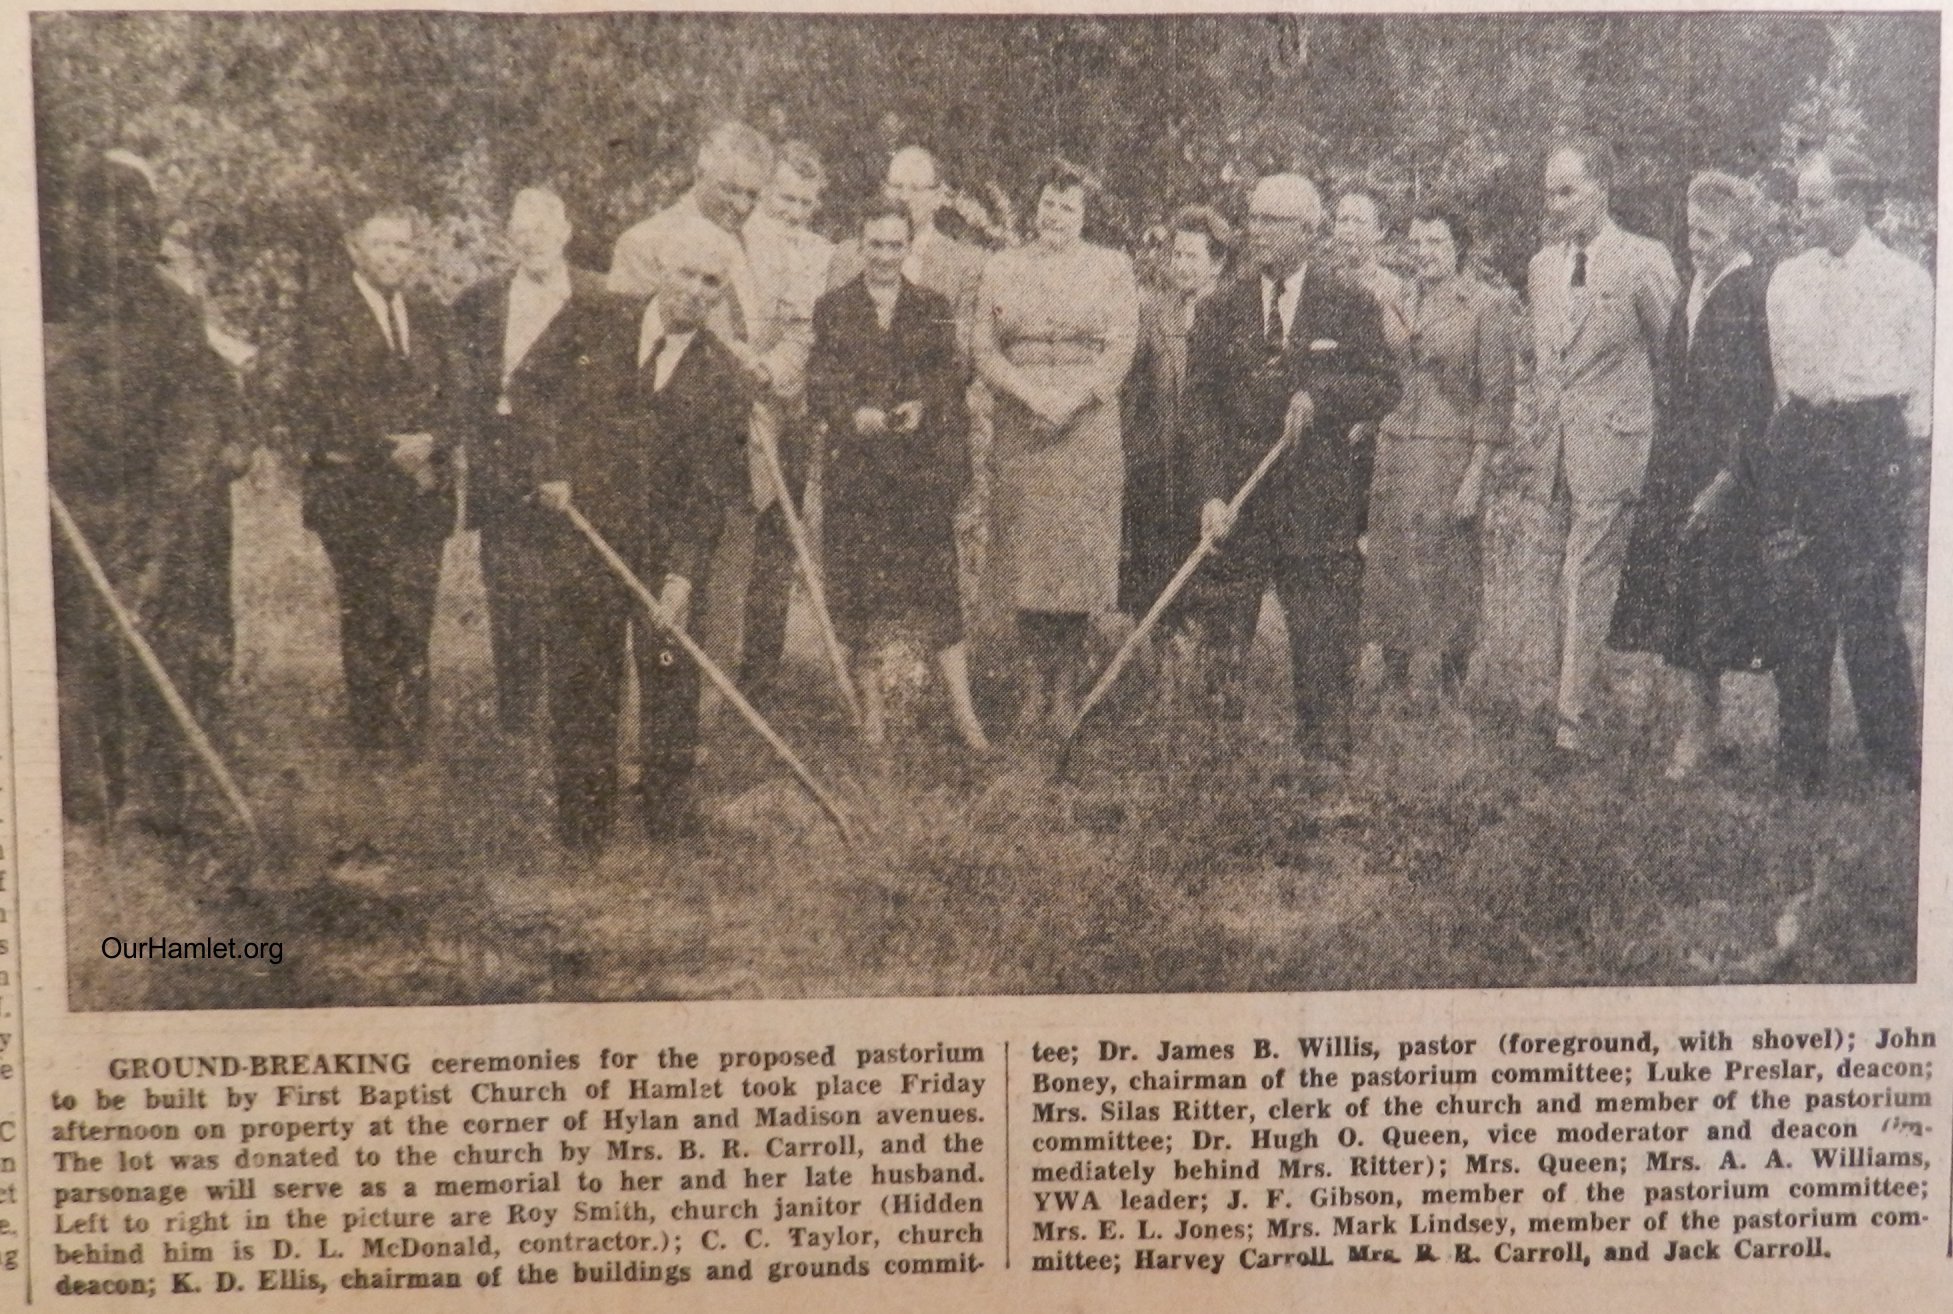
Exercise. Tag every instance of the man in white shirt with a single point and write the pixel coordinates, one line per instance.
(1601, 300)
(789, 263)
(1851, 346)
(733, 165)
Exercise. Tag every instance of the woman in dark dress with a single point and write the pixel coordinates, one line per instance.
(1691, 588)
(883, 379)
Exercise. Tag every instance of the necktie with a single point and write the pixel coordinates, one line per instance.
(651, 358)
(1274, 333)
(397, 318)
(1580, 268)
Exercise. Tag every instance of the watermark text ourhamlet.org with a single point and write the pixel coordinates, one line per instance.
(156, 946)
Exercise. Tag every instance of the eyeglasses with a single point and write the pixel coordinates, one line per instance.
(1258, 217)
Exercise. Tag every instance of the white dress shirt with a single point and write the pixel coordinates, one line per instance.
(634, 265)
(387, 313)
(1291, 294)
(1854, 327)
(533, 305)
(649, 331)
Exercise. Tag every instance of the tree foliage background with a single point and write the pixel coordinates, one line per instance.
(257, 121)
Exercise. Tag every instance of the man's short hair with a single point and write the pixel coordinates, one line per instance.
(1456, 222)
(1853, 176)
(881, 208)
(357, 206)
(545, 199)
(735, 140)
(1596, 156)
(1206, 221)
(1064, 175)
(1291, 192)
(805, 163)
(691, 234)
(917, 153)
(1376, 203)
(1729, 197)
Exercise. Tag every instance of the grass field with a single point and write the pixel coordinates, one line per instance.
(1181, 856)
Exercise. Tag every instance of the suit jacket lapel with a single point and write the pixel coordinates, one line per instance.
(546, 341)
(366, 329)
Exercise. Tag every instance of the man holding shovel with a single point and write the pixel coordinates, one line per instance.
(1289, 349)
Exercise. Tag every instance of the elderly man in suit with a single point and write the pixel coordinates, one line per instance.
(1601, 299)
(373, 399)
(517, 338)
(1290, 349)
(646, 443)
(735, 168)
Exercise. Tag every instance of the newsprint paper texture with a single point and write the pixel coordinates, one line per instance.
(1041, 660)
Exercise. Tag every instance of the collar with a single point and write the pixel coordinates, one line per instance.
(1293, 279)
(1610, 232)
(1455, 287)
(128, 159)
(1742, 261)
(557, 283)
(373, 294)
(652, 327)
(1865, 248)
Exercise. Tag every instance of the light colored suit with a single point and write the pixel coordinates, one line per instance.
(1594, 349)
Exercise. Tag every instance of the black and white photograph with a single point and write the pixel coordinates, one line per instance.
(668, 506)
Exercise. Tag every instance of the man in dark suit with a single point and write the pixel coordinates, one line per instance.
(372, 393)
(518, 338)
(140, 412)
(1290, 348)
(651, 448)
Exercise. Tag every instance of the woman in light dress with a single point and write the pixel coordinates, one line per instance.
(1057, 320)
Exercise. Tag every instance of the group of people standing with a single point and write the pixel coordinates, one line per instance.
(1718, 477)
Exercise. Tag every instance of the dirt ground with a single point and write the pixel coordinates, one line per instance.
(1180, 855)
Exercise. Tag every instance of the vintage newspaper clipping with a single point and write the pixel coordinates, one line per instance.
(1063, 659)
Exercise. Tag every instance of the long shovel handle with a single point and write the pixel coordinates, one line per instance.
(621, 568)
(816, 593)
(1202, 550)
(146, 655)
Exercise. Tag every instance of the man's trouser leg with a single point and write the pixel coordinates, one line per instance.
(511, 579)
(413, 574)
(668, 719)
(1321, 597)
(1836, 513)
(1228, 603)
(769, 589)
(1590, 576)
(359, 581)
(90, 696)
(590, 620)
